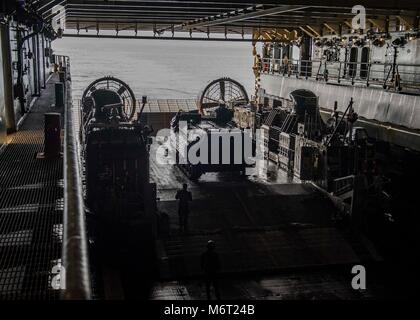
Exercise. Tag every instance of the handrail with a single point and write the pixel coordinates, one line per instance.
(343, 184)
(75, 250)
(341, 71)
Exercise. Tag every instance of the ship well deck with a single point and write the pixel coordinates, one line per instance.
(276, 238)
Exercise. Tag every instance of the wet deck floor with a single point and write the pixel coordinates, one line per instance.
(276, 238)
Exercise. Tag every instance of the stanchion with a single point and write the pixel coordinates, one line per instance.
(62, 76)
(52, 135)
(59, 95)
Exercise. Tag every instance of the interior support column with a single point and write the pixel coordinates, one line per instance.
(8, 79)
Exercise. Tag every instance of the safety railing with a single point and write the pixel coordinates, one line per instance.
(343, 185)
(387, 75)
(75, 250)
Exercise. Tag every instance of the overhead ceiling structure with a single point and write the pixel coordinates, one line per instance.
(270, 18)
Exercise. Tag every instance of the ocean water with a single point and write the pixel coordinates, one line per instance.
(160, 69)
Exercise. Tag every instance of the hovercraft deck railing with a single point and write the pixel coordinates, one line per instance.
(74, 249)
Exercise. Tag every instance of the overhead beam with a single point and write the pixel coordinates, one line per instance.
(368, 4)
(247, 16)
(329, 27)
(108, 36)
(185, 11)
(283, 23)
(404, 21)
(154, 5)
(48, 5)
(379, 24)
(348, 24)
(315, 11)
(133, 15)
(307, 32)
(315, 32)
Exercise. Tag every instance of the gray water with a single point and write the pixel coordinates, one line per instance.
(160, 69)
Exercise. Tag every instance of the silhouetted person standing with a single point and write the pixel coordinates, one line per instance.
(211, 266)
(184, 197)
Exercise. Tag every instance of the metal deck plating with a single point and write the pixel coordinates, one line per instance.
(31, 209)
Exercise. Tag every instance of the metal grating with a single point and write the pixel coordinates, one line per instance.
(31, 209)
(169, 105)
